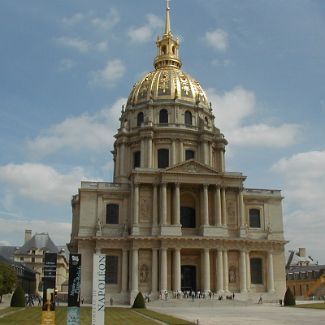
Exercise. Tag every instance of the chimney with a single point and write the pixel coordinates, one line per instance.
(302, 252)
(28, 235)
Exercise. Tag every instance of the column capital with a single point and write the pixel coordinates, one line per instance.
(177, 249)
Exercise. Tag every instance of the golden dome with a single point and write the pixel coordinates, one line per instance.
(168, 81)
(168, 84)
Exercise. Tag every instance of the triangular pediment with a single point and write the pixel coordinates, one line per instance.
(192, 167)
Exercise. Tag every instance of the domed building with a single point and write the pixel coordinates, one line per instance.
(175, 219)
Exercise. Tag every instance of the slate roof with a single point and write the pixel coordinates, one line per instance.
(8, 252)
(39, 241)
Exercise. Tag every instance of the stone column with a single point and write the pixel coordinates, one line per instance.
(217, 207)
(124, 281)
(242, 272)
(205, 205)
(181, 151)
(177, 269)
(163, 204)
(225, 270)
(149, 153)
(270, 273)
(154, 206)
(222, 161)
(174, 153)
(210, 154)
(142, 154)
(248, 271)
(241, 209)
(154, 270)
(122, 160)
(206, 270)
(136, 204)
(177, 217)
(135, 262)
(163, 269)
(224, 207)
(219, 270)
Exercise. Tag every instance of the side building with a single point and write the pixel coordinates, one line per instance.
(32, 253)
(175, 218)
(305, 277)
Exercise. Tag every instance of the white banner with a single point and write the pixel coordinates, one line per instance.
(98, 304)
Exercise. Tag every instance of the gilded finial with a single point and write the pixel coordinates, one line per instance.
(167, 26)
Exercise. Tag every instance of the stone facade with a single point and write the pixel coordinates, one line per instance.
(174, 218)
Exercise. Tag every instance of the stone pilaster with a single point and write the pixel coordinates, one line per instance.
(163, 269)
(270, 272)
(177, 269)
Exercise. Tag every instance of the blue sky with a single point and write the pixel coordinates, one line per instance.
(68, 66)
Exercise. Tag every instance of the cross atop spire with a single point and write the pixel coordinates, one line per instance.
(167, 25)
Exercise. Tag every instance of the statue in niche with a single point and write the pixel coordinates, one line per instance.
(99, 227)
(144, 272)
(232, 274)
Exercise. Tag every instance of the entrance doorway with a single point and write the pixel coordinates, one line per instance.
(188, 276)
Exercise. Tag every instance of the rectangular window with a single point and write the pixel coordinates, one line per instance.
(189, 154)
(112, 214)
(254, 218)
(111, 269)
(163, 158)
(136, 159)
(256, 271)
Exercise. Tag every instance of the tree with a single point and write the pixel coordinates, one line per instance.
(8, 279)
(139, 301)
(18, 298)
(289, 298)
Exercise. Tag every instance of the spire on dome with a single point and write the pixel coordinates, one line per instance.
(167, 25)
(167, 46)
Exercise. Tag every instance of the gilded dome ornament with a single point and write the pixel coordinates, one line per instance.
(168, 81)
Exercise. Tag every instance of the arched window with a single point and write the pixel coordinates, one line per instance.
(188, 217)
(163, 116)
(188, 118)
(254, 218)
(163, 158)
(112, 213)
(256, 271)
(136, 159)
(189, 154)
(163, 49)
(140, 118)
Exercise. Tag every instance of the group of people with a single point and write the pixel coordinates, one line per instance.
(192, 294)
(32, 300)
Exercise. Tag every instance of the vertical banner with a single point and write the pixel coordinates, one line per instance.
(73, 316)
(98, 303)
(48, 309)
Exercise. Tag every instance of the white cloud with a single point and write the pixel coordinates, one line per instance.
(144, 33)
(304, 187)
(75, 43)
(40, 183)
(109, 75)
(217, 39)
(102, 46)
(111, 19)
(13, 230)
(91, 133)
(233, 108)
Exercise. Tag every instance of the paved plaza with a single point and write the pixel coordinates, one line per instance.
(234, 314)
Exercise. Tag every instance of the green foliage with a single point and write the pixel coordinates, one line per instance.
(289, 299)
(18, 298)
(139, 301)
(8, 279)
